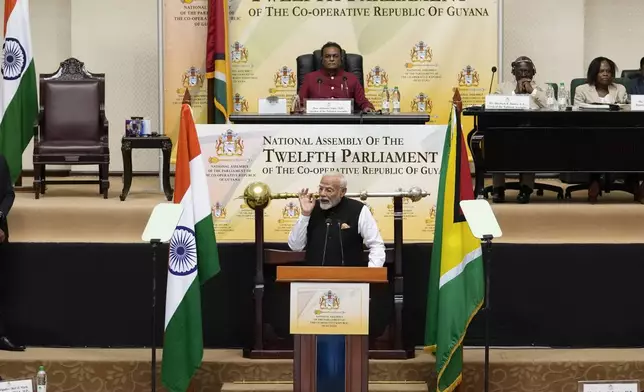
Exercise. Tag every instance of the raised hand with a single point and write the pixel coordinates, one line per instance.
(306, 202)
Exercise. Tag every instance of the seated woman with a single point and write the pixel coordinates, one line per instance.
(600, 88)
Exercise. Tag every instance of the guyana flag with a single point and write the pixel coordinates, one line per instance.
(220, 87)
(456, 281)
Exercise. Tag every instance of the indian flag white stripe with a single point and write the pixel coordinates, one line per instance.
(194, 210)
(180, 284)
(18, 29)
(460, 267)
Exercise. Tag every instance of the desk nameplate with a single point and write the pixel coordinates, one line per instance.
(329, 106)
(609, 386)
(507, 102)
(637, 103)
(23, 385)
(272, 106)
(329, 309)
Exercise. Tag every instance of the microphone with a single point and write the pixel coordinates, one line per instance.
(346, 86)
(341, 247)
(326, 238)
(319, 84)
(492, 80)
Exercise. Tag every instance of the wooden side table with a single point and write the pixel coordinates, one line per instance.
(150, 142)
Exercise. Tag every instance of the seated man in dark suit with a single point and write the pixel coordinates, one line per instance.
(7, 197)
(637, 85)
(348, 223)
(332, 81)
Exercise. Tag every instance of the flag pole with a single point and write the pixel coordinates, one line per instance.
(153, 344)
(486, 247)
(486, 244)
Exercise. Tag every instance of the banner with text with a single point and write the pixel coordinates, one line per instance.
(376, 159)
(425, 48)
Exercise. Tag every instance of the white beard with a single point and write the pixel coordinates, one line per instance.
(329, 204)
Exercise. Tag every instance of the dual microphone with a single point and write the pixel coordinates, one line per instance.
(344, 86)
(328, 223)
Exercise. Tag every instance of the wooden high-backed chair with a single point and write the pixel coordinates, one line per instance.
(71, 128)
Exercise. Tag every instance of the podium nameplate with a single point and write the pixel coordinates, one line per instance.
(609, 386)
(329, 309)
(507, 102)
(329, 106)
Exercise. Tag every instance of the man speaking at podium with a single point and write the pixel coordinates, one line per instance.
(332, 81)
(334, 228)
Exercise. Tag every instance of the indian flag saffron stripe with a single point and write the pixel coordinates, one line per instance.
(192, 261)
(456, 283)
(18, 94)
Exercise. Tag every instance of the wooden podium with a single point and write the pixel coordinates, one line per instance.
(330, 323)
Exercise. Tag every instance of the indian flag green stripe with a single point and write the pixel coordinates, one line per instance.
(184, 350)
(16, 127)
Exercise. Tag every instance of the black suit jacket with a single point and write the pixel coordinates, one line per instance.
(7, 195)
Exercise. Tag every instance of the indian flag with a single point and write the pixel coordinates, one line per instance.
(193, 260)
(456, 281)
(19, 101)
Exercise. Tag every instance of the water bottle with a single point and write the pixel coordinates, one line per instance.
(41, 380)
(564, 99)
(395, 100)
(385, 99)
(550, 97)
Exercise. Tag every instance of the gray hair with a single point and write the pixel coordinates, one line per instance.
(342, 179)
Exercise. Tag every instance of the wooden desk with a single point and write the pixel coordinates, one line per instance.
(162, 143)
(542, 141)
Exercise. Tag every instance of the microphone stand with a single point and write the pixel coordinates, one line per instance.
(492, 80)
(486, 245)
(326, 239)
(341, 246)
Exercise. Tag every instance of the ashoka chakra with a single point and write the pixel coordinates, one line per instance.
(14, 59)
(183, 252)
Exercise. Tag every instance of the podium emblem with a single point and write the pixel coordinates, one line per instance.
(329, 301)
(183, 252)
(468, 77)
(229, 143)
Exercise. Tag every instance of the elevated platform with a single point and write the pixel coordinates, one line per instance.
(76, 213)
(512, 370)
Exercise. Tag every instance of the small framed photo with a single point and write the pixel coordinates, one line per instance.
(609, 386)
